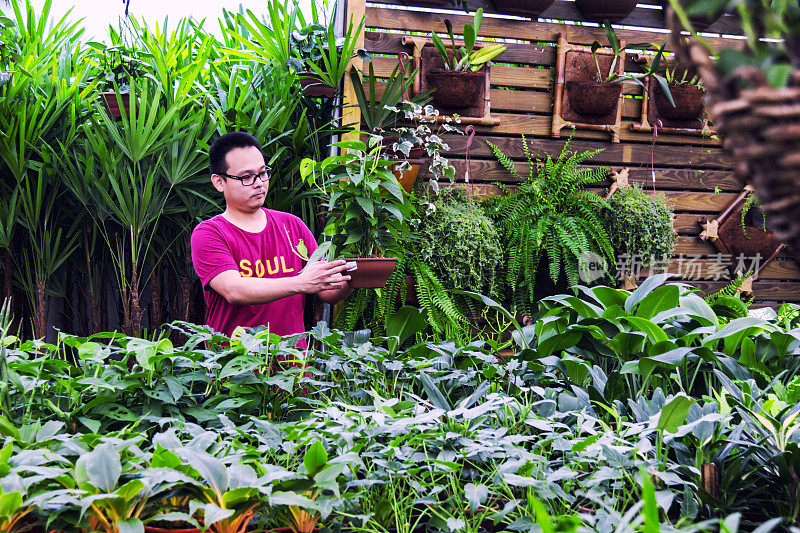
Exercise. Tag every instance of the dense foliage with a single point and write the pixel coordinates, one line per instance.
(605, 417)
(550, 220)
(640, 226)
(95, 208)
(461, 245)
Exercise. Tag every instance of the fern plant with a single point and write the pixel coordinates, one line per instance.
(727, 303)
(369, 308)
(550, 216)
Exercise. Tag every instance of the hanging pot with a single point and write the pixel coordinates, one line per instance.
(112, 105)
(524, 8)
(456, 89)
(700, 22)
(599, 10)
(371, 272)
(313, 86)
(688, 102)
(593, 98)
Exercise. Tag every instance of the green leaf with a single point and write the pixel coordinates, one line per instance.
(102, 466)
(476, 495)
(291, 498)
(435, 396)
(367, 205)
(661, 299)
(315, 458)
(213, 513)
(407, 321)
(673, 414)
(130, 525)
(10, 503)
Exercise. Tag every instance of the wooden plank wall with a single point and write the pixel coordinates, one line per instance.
(692, 171)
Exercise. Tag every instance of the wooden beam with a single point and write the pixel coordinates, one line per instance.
(351, 113)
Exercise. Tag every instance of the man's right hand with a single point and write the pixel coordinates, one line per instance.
(323, 276)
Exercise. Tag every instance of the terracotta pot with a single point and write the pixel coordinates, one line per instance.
(456, 89)
(525, 8)
(408, 178)
(111, 105)
(599, 10)
(313, 86)
(688, 102)
(371, 272)
(593, 98)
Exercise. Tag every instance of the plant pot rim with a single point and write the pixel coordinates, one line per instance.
(445, 71)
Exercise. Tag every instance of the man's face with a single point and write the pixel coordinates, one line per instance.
(243, 162)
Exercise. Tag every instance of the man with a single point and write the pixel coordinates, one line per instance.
(249, 258)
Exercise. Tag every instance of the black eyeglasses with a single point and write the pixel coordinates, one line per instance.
(249, 179)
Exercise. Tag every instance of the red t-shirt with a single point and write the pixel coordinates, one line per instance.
(219, 245)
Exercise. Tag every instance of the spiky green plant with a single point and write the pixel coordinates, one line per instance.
(550, 216)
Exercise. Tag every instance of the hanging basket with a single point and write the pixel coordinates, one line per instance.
(524, 8)
(593, 98)
(688, 102)
(600, 10)
(760, 128)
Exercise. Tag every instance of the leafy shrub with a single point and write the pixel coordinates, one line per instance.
(640, 225)
(461, 244)
(550, 214)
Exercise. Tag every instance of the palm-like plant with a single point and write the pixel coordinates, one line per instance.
(33, 113)
(550, 215)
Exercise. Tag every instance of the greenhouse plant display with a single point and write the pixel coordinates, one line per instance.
(549, 220)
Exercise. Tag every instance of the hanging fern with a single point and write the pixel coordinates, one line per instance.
(551, 217)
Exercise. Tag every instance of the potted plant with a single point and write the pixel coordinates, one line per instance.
(600, 95)
(640, 227)
(321, 59)
(525, 8)
(420, 138)
(368, 212)
(118, 65)
(677, 94)
(458, 83)
(600, 10)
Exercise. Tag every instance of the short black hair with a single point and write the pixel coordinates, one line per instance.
(220, 148)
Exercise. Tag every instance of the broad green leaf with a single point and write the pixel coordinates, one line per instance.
(213, 513)
(673, 414)
(476, 495)
(102, 466)
(659, 300)
(291, 498)
(315, 458)
(130, 525)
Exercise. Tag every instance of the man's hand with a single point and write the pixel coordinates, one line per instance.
(323, 276)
